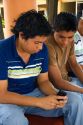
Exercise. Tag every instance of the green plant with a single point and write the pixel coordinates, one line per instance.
(3, 23)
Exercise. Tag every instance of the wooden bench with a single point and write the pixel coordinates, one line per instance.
(39, 120)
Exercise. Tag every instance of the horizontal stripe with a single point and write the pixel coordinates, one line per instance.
(23, 76)
(23, 73)
(14, 67)
(18, 67)
(81, 62)
(79, 59)
(39, 59)
(79, 55)
(12, 61)
(33, 65)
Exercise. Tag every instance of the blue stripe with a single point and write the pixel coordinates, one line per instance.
(79, 55)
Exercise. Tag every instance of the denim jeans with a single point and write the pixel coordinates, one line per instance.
(72, 111)
(75, 81)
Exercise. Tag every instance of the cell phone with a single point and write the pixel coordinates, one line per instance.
(61, 93)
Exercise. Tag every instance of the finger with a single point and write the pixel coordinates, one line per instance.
(62, 98)
(60, 106)
(63, 102)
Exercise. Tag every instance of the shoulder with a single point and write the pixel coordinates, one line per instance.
(5, 45)
(6, 42)
(44, 50)
(44, 47)
(77, 38)
(51, 44)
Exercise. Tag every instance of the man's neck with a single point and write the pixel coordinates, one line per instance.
(24, 55)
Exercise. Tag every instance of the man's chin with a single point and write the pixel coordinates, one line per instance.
(37, 51)
(34, 52)
(64, 46)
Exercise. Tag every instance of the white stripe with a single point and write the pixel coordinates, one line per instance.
(34, 65)
(13, 67)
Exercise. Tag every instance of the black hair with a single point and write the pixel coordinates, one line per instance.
(32, 24)
(65, 21)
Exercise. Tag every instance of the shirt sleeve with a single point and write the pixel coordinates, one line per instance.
(72, 50)
(45, 60)
(3, 69)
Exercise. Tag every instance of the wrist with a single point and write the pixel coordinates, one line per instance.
(81, 90)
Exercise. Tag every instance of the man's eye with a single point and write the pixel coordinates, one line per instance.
(62, 37)
(70, 37)
(36, 43)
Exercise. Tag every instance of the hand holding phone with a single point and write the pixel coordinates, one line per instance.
(61, 93)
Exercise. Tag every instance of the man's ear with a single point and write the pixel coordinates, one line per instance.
(21, 35)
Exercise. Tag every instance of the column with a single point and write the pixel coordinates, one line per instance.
(12, 9)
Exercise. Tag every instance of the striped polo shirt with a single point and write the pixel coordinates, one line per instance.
(79, 47)
(22, 78)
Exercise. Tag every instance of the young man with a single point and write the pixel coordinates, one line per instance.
(61, 51)
(78, 38)
(24, 84)
(78, 43)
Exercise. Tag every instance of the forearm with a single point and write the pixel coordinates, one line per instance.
(77, 69)
(14, 98)
(81, 66)
(47, 102)
(47, 88)
(66, 85)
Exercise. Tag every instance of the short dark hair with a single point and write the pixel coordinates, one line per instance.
(31, 23)
(65, 21)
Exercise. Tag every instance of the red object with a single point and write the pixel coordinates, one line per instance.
(39, 120)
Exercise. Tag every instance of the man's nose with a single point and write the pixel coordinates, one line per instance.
(66, 41)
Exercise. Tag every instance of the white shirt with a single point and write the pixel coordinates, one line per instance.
(79, 47)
